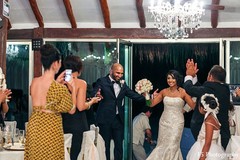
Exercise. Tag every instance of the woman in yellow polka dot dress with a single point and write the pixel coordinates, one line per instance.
(44, 138)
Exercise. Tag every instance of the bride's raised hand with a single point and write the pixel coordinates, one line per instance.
(155, 93)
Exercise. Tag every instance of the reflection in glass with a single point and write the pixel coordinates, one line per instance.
(235, 62)
(97, 57)
(17, 78)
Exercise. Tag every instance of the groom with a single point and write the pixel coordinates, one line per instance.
(110, 113)
(215, 84)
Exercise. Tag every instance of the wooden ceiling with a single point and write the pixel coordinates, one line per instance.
(110, 15)
(214, 7)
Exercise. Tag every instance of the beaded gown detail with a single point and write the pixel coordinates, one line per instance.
(44, 138)
(171, 126)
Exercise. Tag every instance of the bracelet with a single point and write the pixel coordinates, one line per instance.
(73, 107)
(89, 105)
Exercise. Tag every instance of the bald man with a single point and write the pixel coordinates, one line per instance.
(110, 113)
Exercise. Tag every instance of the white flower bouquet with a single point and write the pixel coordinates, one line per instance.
(144, 86)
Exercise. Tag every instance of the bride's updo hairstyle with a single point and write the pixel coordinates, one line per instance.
(176, 75)
(49, 54)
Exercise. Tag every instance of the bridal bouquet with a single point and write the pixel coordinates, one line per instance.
(144, 86)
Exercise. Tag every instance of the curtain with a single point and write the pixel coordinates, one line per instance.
(153, 61)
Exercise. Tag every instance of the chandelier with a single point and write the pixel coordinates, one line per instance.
(175, 21)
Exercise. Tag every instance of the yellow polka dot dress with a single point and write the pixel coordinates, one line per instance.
(44, 138)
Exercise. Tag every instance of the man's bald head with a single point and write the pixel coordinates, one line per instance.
(116, 65)
(116, 71)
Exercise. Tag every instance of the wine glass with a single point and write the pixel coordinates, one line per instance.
(21, 137)
(16, 135)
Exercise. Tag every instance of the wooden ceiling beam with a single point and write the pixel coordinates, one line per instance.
(70, 14)
(214, 14)
(36, 12)
(140, 12)
(214, 7)
(126, 33)
(105, 12)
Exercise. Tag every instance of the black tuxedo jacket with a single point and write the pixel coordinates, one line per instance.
(222, 92)
(107, 106)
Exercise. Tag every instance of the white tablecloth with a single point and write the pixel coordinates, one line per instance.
(19, 155)
(11, 155)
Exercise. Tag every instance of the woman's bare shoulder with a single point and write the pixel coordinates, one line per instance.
(164, 91)
(81, 83)
(181, 89)
(36, 80)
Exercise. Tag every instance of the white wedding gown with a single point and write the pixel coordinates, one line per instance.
(171, 126)
(216, 151)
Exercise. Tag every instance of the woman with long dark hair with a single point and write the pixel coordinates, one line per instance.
(171, 123)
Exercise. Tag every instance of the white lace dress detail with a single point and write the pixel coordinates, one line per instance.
(171, 126)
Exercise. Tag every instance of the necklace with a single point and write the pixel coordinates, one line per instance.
(172, 91)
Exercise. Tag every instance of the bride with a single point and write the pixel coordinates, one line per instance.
(171, 123)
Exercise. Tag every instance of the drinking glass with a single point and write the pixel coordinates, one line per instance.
(21, 136)
(8, 134)
(16, 135)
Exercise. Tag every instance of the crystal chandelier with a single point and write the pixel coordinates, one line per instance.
(175, 21)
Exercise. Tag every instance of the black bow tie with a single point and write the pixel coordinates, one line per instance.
(118, 82)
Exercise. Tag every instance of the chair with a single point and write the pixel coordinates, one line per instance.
(93, 146)
(67, 145)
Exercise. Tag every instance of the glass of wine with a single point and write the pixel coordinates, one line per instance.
(21, 137)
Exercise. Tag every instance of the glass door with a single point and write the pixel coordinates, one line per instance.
(125, 58)
(19, 64)
(232, 67)
(233, 61)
